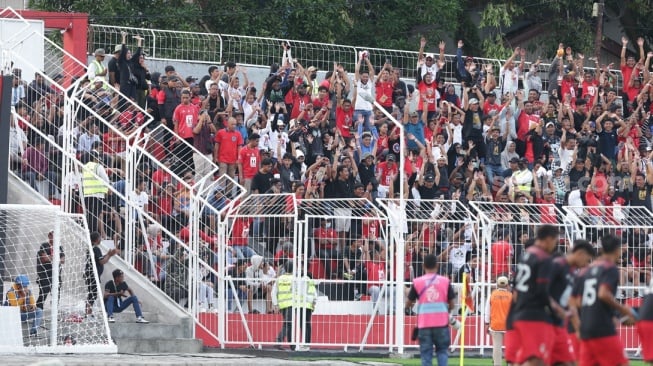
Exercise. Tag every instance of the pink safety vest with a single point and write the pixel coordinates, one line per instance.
(432, 310)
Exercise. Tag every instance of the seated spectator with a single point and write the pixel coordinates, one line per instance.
(118, 297)
(206, 292)
(238, 276)
(283, 254)
(21, 296)
(88, 138)
(256, 285)
(240, 237)
(17, 144)
(326, 244)
(36, 167)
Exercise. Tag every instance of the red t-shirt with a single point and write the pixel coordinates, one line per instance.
(327, 237)
(249, 158)
(489, 107)
(501, 252)
(548, 212)
(370, 229)
(298, 104)
(240, 231)
(344, 121)
(129, 119)
(162, 178)
(430, 92)
(384, 91)
(567, 87)
(386, 172)
(376, 273)
(590, 89)
(626, 72)
(186, 117)
(523, 123)
(164, 206)
(228, 148)
(113, 143)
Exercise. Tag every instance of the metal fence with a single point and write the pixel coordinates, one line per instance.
(214, 48)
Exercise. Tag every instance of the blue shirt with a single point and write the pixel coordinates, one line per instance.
(417, 130)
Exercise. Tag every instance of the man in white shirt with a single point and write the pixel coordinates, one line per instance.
(365, 93)
(532, 77)
(17, 141)
(509, 73)
(138, 197)
(96, 68)
(86, 140)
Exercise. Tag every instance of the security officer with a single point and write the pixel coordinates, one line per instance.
(94, 187)
(496, 314)
(282, 300)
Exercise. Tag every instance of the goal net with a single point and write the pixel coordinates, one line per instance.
(47, 275)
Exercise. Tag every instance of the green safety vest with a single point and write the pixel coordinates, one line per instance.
(100, 68)
(284, 291)
(311, 294)
(92, 185)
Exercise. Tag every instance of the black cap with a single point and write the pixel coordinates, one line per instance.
(391, 157)
(429, 178)
(523, 160)
(514, 160)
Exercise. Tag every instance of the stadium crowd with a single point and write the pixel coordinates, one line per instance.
(571, 137)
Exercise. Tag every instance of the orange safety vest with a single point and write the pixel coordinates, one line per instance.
(500, 301)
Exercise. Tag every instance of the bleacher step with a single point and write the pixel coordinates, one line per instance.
(159, 345)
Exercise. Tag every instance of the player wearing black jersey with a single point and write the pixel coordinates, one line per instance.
(600, 345)
(532, 315)
(563, 271)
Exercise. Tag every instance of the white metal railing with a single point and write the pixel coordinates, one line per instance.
(214, 48)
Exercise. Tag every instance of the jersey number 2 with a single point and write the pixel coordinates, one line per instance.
(523, 275)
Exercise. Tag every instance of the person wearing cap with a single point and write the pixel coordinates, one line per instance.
(300, 99)
(96, 67)
(21, 296)
(311, 75)
(494, 146)
(472, 130)
(522, 179)
(429, 65)
(172, 74)
(496, 314)
(44, 262)
(113, 69)
(249, 158)
(386, 172)
(363, 88)
(118, 296)
(491, 104)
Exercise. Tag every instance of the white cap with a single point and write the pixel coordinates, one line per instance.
(298, 153)
(502, 281)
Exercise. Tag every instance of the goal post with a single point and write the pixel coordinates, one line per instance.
(44, 304)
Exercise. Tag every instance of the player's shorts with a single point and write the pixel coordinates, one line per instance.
(575, 344)
(563, 350)
(536, 340)
(603, 351)
(511, 345)
(645, 332)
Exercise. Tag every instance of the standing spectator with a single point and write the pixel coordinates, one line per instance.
(44, 260)
(326, 240)
(533, 80)
(248, 161)
(472, 130)
(494, 146)
(436, 298)
(307, 300)
(262, 181)
(94, 188)
(17, 143)
(168, 98)
(227, 142)
(363, 104)
(21, 296)
(501, 254)
(496, 313)
(282, 300)
(112, 67)
(176, 270)
(509, 74)
(385, 85)
(98, 261)
(127, 63)
(116, 299)
(96, 68)
(185, 119)
(36, 167)
(203, 133)
(17, 89)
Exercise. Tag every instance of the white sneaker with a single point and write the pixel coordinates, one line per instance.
(302, 349)
(111, 319)
(141, 320)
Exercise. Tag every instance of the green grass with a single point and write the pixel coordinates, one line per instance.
(416, 362)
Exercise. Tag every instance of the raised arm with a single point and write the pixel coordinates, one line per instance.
(624, 47)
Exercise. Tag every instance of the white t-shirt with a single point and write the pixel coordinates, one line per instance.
(457, 133)
(139, 200)
(565, 158)
(457, 255)
(509, 80)
(433, 69)
(364, 90)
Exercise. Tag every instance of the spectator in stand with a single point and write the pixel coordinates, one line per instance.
(38, 90)
(501, 254)
(472, 131)
(628, 63)
(36, 167)
(17, 144)
(386, 172)
(17, 88)
(98, 261)
(227, 142)
(116, 298)
(255, 285)
(532, 77)
(384, 85)
(127, 65)
(376, 269)
(344, 113)
(19, 295)
(88, 138)
(185, 119)
(326, 240)
(248, 161)
(168, 98)
(203, 133)
(289, 172)
(262, 181)
(509, 74)
(177, 276)
(363, 106)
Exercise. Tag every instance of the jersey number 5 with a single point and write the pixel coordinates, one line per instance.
(589, 292)
(523, 275)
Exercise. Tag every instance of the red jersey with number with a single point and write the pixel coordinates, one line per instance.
(186, 117)
(344, 121)
(590, 88)
(229, 142)
(386, 172)
(249, 158)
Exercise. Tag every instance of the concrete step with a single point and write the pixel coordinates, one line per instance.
(128, 316)
(146, 331)
(159, 345)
